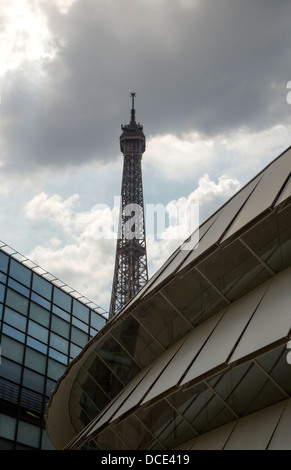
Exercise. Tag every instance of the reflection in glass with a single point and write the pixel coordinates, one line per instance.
(234, 270)
(135, 339)
(271, 239)
(246, 389)
(275, 363)
(117, 360)
(194, 297)
(163, 321)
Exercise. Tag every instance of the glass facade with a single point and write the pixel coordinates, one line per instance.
(42, 328)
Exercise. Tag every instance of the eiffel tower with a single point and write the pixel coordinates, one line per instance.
(130, 272)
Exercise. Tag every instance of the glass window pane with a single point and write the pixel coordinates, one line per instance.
(18, 287)
(246, 389)
(97, 321)
(74, 350)
(34, 360)
(163, 321)
(10, 370)
(234, 270)
(37, 331)
(40, 300)
(194, 297)
(15, 319)
(135, 339)
(7, 427)
(62, 299)
(12, 349)
(60, 326)
(275, 363)
(61, 313)
(17, 301)
(20, 272)
(59, 343)
(3, 262)
(117, 359)
(55, 369)
(33, 381)
(39, 314)
(2, 292)
(80, 311)
(78, 337)
(28, 434)
(41, 286)
(9, 331)
(58, 356)
(33, 343)
(79, 324)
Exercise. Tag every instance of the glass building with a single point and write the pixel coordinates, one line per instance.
(44, 325)
(200, 357)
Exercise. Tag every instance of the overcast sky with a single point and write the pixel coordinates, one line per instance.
(211, 78)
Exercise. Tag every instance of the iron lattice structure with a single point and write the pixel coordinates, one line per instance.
(130, 272)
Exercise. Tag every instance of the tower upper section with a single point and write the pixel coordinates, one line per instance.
(132, 139)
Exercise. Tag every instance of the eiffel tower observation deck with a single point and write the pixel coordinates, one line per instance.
(130, 272)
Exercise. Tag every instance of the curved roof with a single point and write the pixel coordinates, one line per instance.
(241, 248)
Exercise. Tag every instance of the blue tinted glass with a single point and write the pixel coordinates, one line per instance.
(33, 343)
(9, 331)
(45, 303)
(97, 321)
(80, 324)
(80, 311)
(58, 356)
(3, 262)
(41, 286)
(19, 272)
(16, 301)
(62, 299)
(15, 319)
(2, 292)
(60, 313)
(33, 380)
(10, 370)
(3, 278)
(74, 350)
(1, 311)
(59, 343)
(37, 331)
(55, 369)
(19, 287)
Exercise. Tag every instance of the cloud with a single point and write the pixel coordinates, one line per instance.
(206, 67)
(86, 260)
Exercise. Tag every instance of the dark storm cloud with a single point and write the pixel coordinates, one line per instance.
(213, 68)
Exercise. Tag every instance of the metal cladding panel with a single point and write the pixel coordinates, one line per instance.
(214, 440)
(226, 334)
(223, 220)
(265, 193)
(190, 348)
(285, 193)
(254, 431)
(272, 319)
(281, 439)
(182, 253)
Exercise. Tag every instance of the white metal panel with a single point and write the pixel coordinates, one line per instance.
(225, 217)
(285, 193)
(226, 334)
(253, 432)
(215, 439)
(281, 439)
(264, 194)
(272, 319)
(189, 349)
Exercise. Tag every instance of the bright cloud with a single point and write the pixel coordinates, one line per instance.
(86, 260)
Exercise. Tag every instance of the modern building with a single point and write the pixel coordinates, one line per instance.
(199, 357)
(44, 324)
